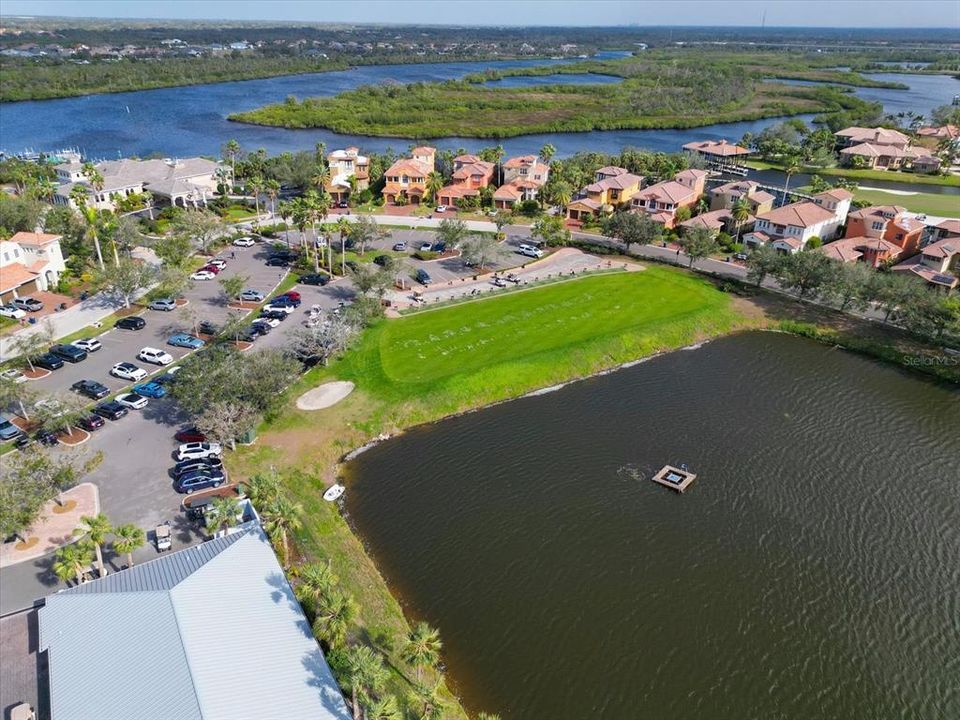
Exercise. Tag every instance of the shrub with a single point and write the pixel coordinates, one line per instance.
(426, 255)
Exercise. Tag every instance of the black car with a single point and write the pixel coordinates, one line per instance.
(69, 353)
(164, 379)
(278, 261)
(134, 322)
(186, 466)
(207, 328)
(274, 315)
(383, 260)
(257, 330)
(111, 410)
(315, 279)
(91, 423)
(423, 277)
(343, 204)
(91, 388)
(286, 300)
(49, 361)
(46, 437)
(198, 480)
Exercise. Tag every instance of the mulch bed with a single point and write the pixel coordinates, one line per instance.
(243, 305)
(35, 374)
(77, 436)
(180, 302)
(241, 345)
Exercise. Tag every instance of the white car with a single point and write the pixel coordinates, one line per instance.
(244, 242)
(288, 309)
(133, 401)
(251, 296)
(128, 371)
(164, 304)
(11, 311)
(197, 450)
(530, 250)
(272, 322)
(13, 375)
(202, 275)
(426, 247)
(155, 356)
(441, 208)
(218, 262)
(89, 344)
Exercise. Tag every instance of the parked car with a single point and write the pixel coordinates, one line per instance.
(189, 483)
(314, 279)
(27, 303)
(91, 422)
(151, 389)
(399, 246)
(269, 321)
(90, 345)
(164, 379)
(441, 208)
(251, 296)
(254, 331)
(423, 277)
(244, 242)
(8, 431)
(49, 361)
(278, 261)
(164, 304)
(498, 281)
(530, 250)
(134, 322)
(208, 328)
(111, 410)
(128, 371)
(515, 279)
(185, 341)
(207, 463)
(13, 375)
(12, 311)
(190, 434)
(280, 307)
(343, 204)
(383, 260)
(193, 450)
(133, 401)
(292, 294)
(91, 388)
(70, 353)
(426, 247)
(46, 437)
(203, 274)
(155, 356)
(218, 263)
(274, 315)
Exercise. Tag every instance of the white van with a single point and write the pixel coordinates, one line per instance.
(530, 250)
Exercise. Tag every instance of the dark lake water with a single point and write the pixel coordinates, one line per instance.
(192, 120)
(812, 570)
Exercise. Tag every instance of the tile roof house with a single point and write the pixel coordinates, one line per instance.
(888, 222)
(725, 196)
(612, 187)
(715, 150)
(344, 165)
(944, 132)
(890, 157)
(523, 176)
(407, 177)
(662, 200)
(470, 175)
(949, 228)
(788, 228)
(937, 264)
(718, 220)
(213, 631)
(871, 250)
(876, 136)
(29, 262)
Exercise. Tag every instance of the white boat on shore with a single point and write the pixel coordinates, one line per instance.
(334, 492)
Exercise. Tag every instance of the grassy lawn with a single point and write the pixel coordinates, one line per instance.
(866, 175)
(929, 203)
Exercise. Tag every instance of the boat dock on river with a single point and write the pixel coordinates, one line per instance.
(675, 478)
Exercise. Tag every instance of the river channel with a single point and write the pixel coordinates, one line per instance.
(811, 571)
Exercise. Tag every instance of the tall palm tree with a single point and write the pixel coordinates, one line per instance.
(222, 514)
(285, 211)
(272, 188)
(90, 216)
(792, 164)
(434, 185)
(366, 677)
(126, 539)
(262, 488)
(71, 560)
(333, 616)
(740, 211)
(231, 149)
(256, 185)
(320, 178)
(343, 228)
(315, 581)
(282, 517)
(547, 152)
(498, 153)
(422, 648)
(300, 213)
(96, 528)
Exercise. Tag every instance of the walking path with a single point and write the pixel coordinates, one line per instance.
(54, 529)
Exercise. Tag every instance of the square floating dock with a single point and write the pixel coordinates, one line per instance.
(674, 478)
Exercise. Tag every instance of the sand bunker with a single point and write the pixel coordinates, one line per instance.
(324, 395)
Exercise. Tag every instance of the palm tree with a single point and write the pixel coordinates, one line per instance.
(285, 211)
(231, 149)
(222, 514)
(71, 561)
(320, 178)
(429, 699)
(262, 489)
(315, 581)
(79, 196)
(96, 528)
(366, 676)
(272, 188)
(126, 539)
(333, 616)
(740, 212)
(301, 215)
(343, 227)
(256, 185)
(384, 709)
(498, 159)
(422, 648)
(547, 152)
(434, 185)
(792, 164)
(282, 517)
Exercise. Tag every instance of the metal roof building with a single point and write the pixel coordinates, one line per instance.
(213, 632)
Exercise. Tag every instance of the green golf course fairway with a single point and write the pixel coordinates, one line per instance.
(503, 346)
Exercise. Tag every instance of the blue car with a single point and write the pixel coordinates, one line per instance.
(150, 390)
(185, 341)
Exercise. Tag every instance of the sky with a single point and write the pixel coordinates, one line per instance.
(798, 13)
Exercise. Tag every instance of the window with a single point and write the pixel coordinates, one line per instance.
(877, 225)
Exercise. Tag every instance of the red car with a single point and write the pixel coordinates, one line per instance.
(190, 434)
(293, 295)
(212, 268)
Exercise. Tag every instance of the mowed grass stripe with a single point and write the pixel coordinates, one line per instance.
(529, 339)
